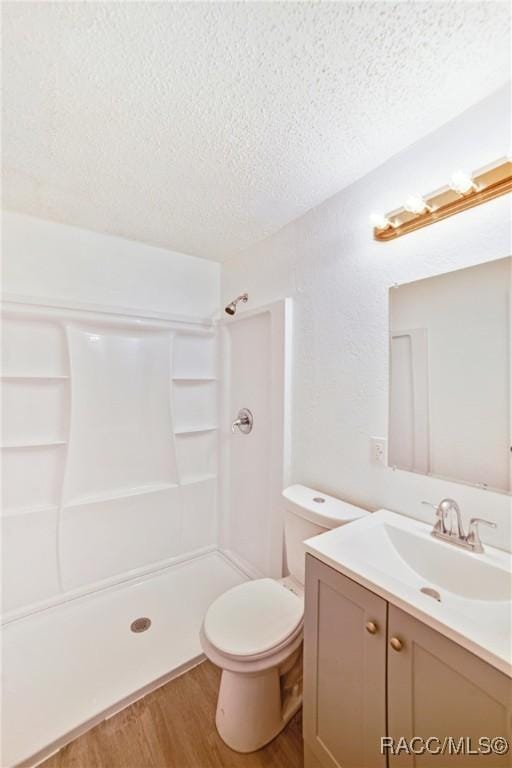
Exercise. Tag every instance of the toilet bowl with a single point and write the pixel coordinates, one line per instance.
(254, 631)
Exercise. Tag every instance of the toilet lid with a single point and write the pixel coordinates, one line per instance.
(253, 617)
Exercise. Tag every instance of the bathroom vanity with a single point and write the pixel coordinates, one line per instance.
(407, 630)
(382, 658)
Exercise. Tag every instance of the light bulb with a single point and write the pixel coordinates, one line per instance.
(380, 221)
(416, 204)
(462, 183)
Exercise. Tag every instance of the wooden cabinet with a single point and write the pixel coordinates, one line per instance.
(344, 670)
(371, 670)
(436, 688)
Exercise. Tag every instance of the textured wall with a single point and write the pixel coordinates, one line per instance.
(339, 278)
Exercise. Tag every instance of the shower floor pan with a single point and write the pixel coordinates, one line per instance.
(67, 668)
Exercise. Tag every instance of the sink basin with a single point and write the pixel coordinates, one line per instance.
(446, 566)
(466, 596)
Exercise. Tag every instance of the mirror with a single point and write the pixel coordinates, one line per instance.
(450, 376)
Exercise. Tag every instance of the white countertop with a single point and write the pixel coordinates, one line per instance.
(395, 556)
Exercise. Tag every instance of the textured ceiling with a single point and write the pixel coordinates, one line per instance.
(203, 127)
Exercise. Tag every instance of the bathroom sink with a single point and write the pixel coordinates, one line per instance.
(447, 567)
(466, 596)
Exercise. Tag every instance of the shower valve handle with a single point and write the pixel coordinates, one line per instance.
(243, 422)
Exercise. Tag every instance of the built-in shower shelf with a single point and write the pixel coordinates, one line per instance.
(192, 480)
(192, 430)
(120, 493)
(29, 377)
(31, 510)
(34, 444)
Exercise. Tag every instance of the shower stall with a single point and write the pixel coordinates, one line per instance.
(128, 503)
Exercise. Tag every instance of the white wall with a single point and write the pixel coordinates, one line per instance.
(48, 260)
(339, 278)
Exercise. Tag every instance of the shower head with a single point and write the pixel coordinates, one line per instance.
(231, 308)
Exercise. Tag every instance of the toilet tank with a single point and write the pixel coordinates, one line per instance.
(308, 513)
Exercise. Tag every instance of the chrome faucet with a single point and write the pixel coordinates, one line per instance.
(448, 511)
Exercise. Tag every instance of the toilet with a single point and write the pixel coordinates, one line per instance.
(253, 632)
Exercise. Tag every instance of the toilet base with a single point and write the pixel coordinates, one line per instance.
(253, 708)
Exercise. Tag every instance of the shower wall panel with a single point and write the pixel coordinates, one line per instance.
(120, 435)
(256, 348)
(104, 538)
(109, 448)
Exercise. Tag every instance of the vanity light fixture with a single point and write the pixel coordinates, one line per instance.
(416, 204)
(462, 182)
(380, 221)
(464, 191)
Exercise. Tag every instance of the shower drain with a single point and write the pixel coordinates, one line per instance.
(140, 625)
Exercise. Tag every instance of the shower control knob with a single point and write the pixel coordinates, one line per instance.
(371, 627)
(243, 421)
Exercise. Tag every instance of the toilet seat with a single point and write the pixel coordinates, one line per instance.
(254, 620)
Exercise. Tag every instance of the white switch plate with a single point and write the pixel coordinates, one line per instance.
(378, 447)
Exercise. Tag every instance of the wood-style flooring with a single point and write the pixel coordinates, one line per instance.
(173, 727)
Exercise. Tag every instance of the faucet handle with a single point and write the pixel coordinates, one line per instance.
(473, 536)
(440, 525)
(482, 521)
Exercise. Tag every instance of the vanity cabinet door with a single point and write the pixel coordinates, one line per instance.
(344, 671)
(438, 689)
